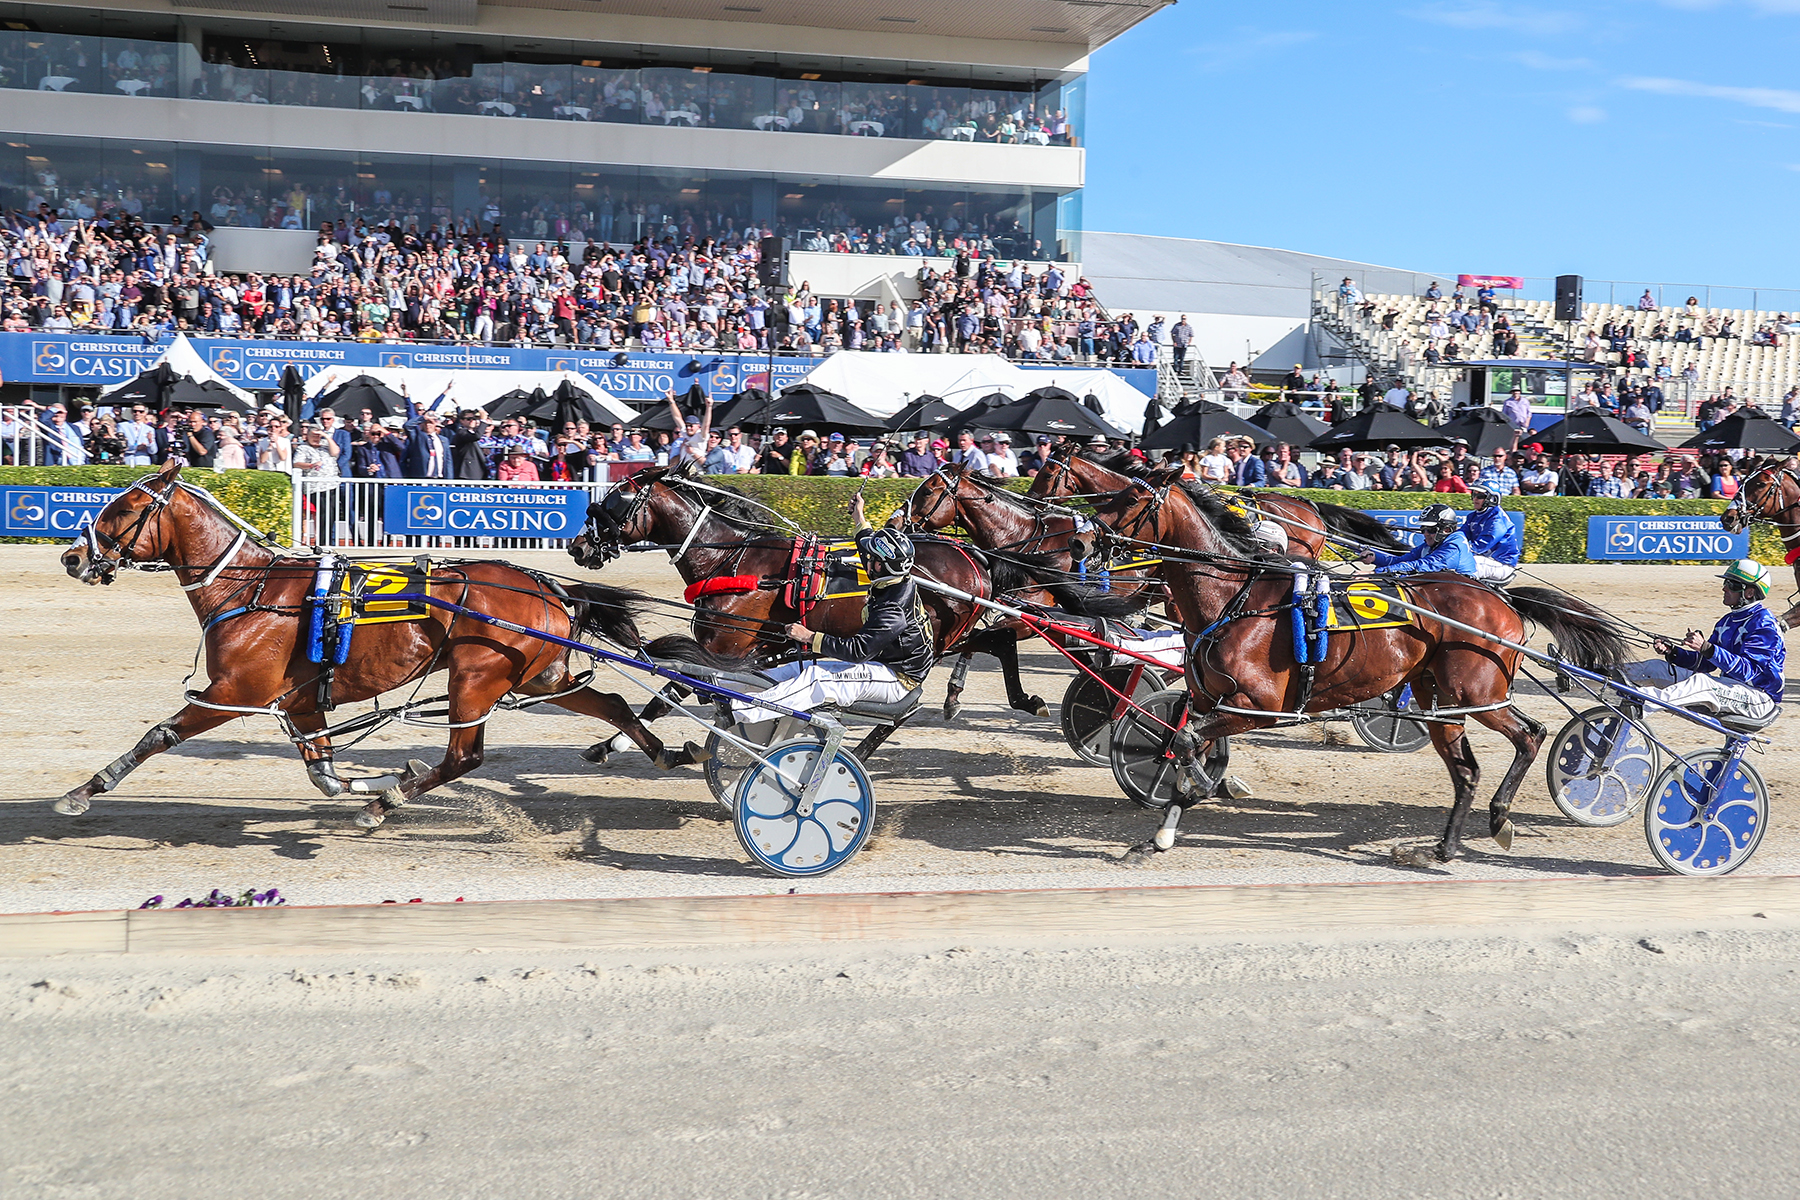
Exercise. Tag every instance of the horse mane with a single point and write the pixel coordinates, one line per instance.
(733, 505)
(1119, 462)
(1233, 527)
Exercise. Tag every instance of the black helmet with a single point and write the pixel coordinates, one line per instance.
(1440, 517)
(888, 548)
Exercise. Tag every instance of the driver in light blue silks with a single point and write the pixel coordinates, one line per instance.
(1493, 538)
(1739, 668)
(1444, 549)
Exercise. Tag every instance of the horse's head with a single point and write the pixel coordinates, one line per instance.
(1771, 493)
(129, 530)
(937, 502)
(1055, 479)
(616, 520)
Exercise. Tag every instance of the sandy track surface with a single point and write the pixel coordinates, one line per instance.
(993, 799)
(1584, 1062)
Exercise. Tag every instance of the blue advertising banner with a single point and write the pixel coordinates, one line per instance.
(1405, 522)
(510, 510)
(50, 512)
(257, 365)
(1636, 539)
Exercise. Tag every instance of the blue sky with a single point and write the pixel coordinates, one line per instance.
(1627, 141)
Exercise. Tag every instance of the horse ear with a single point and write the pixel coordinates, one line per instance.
(172, 468)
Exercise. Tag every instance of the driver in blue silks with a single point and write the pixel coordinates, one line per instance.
(1738, 670)
(1493, 538)
(1444, 549)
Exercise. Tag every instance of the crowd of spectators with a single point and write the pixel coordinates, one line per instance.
(117, 274)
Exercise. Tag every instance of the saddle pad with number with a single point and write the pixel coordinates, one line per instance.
(360, 586)
(1363, 604)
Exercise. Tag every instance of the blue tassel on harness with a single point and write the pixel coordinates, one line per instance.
(1321, 629)
(316, 650)
(1297, 614)
(340, 650)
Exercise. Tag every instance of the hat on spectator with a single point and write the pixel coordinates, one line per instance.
(836, 437)
(1099, 439)
(1005, 439)
(273, 410)
(808, 433)
(940, 444)
(1043, 439)
(311, 427)
(393, 422)
(1459, 441)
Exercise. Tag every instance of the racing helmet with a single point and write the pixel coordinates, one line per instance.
(1440, 517)
(1751, 578)
(885, 551)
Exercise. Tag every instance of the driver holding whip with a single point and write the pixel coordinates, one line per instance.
(1738, 670)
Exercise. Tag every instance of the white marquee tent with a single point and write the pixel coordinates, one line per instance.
(183, 359)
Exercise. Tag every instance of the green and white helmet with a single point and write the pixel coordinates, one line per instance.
(1750, 575)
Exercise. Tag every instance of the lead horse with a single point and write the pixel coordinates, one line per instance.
(1236, 602)
(250, 599)
(1771, 493)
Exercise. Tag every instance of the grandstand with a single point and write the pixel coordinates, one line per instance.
(1694, 352)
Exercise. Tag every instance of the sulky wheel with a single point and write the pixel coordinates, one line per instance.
(725, 769)
(1702, 820)
(1089, 710)
(772, 831)
(1600, 767)
(1377, 724)
(1141, 762)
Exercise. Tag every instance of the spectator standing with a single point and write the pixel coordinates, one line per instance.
(778, 455)
(517, 467)
(969, 454)
(1517, 412)
(1497, 478)
(469, 459)
(428, 451)
(1002, 462)
(139, 436)
(229, 456)
(1608, 485)
(918, 461)
(1215, 464)
(198, 440)
(1181, 336)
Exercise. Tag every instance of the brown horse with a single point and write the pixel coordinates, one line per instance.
(251, 602)
(1771, 493)
(716, 534)
(1243, 673)
(1308, 526)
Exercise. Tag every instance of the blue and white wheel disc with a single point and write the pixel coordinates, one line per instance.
(1692, 838)
(1601, 768)
(776, 836)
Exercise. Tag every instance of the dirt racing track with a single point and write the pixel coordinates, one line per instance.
(992, 800)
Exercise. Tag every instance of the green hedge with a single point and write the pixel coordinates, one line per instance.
(1555, 526)
(262, 498)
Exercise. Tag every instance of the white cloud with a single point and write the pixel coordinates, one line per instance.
(1482, 14)
(1587, 114)
(1247, 44)
(1779, 99)
(1544, 62)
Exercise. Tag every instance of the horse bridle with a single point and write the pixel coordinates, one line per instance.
(114, 557)
(1778, 474)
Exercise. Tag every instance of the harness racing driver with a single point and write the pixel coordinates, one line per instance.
(1444, 548)
(1493, 538)
(1739, 668)
(881, 662)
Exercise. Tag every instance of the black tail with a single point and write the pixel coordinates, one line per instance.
(1015, 572)
(679, 647)
(610, 612)
(1586, 635)
(1360, 527)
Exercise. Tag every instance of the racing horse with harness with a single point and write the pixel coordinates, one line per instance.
(748, 580)
(1265, 648)
(1308, 527)
(253, 602)
(1771, 494)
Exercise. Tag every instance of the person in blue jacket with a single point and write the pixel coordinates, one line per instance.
(1493, 538)
(1444, 549)
(1738, 670)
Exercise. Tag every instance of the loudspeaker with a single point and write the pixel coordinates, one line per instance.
(1568, 297)
(772, 271)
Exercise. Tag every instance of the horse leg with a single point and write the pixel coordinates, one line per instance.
(1459, 759)
(1003, 645)
(189, 722)
(474, 690)
(953, 693)
(1527, 736)
(1200, 740)
(616, 712)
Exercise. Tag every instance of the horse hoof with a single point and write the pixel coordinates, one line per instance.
(393, 798)
(72, 805)
(951, 708)
(1236, 788)
(369, 819)
(1503, 836)
(414, 769)
(697, 753)
(598, 753)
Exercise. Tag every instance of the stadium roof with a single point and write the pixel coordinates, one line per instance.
(1088, 23)
(1540, 364)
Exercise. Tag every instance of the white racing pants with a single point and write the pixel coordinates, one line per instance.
(1723, 697)
(1492, 571)
(808, 685)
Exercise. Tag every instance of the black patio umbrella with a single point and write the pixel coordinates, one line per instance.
(364, 391)
(1591, 431)
(293, 391)
(1046, 410)
(732, 412)
(514, 403)
(1376, 428)
(1200, 425)
(1483, 428)
(1153, 415)
(808, 404)
(927, 412)
(1285, 421)
(161, 388)
(1745, 430)
(569, 402)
